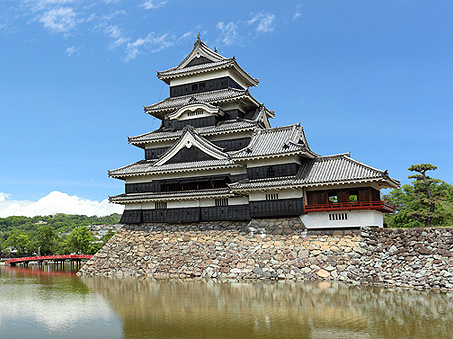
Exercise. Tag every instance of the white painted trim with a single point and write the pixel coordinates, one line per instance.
(188, 141)
(208, 110)
(356, 218)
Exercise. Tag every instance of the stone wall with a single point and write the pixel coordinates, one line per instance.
(419, 257)
(279, 249)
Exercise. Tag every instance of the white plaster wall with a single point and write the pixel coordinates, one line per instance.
(282, 194)
(183, 204)
(135, 206)
(357, 218)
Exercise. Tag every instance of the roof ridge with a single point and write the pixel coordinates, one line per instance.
(274, 129)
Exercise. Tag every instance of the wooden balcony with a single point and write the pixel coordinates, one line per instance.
(349, 206)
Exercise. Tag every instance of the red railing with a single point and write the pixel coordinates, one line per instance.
(357, 205)
(48, 257)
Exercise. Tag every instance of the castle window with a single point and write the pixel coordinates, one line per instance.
(338, 216)
(353, 196)
(202, 86)
(271, 171)
(221, 202)
(194, 87)
(332, 197)
(272, 196)
(160, 205)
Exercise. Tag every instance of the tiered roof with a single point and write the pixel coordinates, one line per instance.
(217, 97)
(223, 127)
(209, 61)
(275, 142)
(320, 171)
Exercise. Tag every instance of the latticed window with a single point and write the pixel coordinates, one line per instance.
(271, 172)
(221, 202)
(160, 205)
(272, 196)
(338, 216)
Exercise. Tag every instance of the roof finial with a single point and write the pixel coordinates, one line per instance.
(198, 36)
(215, 49)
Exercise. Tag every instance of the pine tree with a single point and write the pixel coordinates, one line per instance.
(424, 194)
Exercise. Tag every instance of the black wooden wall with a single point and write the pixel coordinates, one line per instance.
(272, 171)
(203, 86)
(196, 122)
(255, 209)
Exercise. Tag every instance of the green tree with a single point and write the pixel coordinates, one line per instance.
(81, 239)
(18, 241)
(425, 202)
(45, 239)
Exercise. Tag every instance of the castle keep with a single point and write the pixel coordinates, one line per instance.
(215, 157)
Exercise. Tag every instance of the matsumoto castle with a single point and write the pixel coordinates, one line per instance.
(216, 157)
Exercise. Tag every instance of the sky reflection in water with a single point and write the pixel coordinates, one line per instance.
(55, 306)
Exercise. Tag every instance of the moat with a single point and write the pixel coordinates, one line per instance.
(50, 303)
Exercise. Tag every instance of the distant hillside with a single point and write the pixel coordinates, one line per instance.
(60, 222)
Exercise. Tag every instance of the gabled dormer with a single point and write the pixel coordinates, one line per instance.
(191, 147)
(205, 70)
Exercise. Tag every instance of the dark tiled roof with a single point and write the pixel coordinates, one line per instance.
(125, 198)
(144, 167)
(322, 171)
(274, 141)
(178, 71)
(207, 97)
(228, 126)
(337, 168)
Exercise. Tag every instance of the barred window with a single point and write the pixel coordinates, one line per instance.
(338, 216)
(270, 172)
(160, 205)
(272, 196)
(221, 202)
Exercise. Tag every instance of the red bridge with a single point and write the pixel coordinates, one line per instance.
(57, 258)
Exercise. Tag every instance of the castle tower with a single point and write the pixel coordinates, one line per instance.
(216, 157)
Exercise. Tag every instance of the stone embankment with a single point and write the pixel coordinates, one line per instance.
(279, 249)
(419, 257)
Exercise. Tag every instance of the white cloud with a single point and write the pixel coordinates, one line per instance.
(153, 42)
(296, 15)
(72, 51)
(153, 4)
(118, 39)
(265, 22)
(56, 202)
(59, 20)
(4, 196)
(229, 34)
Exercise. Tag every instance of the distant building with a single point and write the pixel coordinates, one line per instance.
(216, 157)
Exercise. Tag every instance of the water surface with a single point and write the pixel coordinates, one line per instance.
(57, 304)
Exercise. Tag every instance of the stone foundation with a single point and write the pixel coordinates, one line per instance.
(278, 249)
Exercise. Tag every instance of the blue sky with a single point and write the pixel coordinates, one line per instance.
(371, 77)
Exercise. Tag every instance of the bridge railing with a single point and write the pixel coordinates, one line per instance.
(48, 257)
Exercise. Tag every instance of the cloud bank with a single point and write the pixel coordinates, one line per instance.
(56, 202)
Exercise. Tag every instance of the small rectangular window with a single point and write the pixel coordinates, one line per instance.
(332, 197)
(202, 86)
(194, 87)
(221, 202)
(353, 196)
(338, 216)
(272, 196)
(160, 205)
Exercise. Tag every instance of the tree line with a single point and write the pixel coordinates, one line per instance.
(58, 234)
